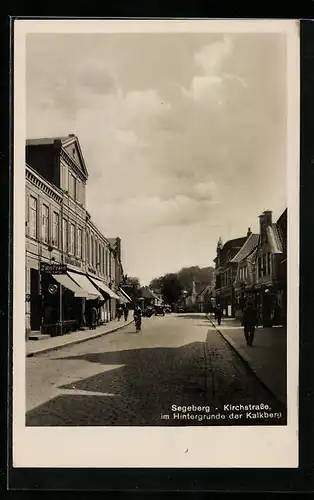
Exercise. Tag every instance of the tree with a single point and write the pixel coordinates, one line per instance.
(132, 286)
(171, 288)
(156, 283)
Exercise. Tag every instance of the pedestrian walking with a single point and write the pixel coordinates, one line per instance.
(126, 312)
(218, 314)
(119, 312)
(249, 323)
(93, 317)
(137, 315)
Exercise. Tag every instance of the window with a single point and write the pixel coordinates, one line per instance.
(87, 248)
(65, 174)
(72, 186)
(55, 229)
(45, 224)
(107, 265)
(64, 235)
(79, 250)
(72, 239)
(269, 263)
(78, 191)
(32, 217)
(92, 250)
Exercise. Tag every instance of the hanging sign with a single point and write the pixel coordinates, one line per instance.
(52, 289)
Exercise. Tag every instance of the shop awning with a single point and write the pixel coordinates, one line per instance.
(125, 295)
(104, 287)
(85, 284)
(67, 282)
(121, 298)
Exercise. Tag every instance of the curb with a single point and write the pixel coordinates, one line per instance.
(246, 360)
(77, 341)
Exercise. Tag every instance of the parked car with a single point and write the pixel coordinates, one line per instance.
(159, 311)
(168, 309)
(181, 309)
(148, 312)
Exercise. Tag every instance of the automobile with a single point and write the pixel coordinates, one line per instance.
(159, 311)
(168, 309)
(148, 312)
(181, 309)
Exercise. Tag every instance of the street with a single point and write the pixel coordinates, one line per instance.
(177, 371)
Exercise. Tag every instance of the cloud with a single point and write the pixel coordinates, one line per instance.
(211, 57)
(171, 143)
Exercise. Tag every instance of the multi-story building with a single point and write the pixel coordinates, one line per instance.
(225, 274)
(245, 281)
(261, 275)
(271, 268)
(70, 265)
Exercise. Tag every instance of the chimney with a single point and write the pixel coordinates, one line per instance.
(265, 219)
(249, 232)
(268, 217)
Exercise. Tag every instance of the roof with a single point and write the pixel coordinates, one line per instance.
(65, 142)
(46, 141)
(249, 245)
(206, 289)
(274, 239)
(147, 293)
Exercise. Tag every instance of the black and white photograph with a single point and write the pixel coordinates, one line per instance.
(158, 205)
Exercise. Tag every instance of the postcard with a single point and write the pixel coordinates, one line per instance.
(156, 251)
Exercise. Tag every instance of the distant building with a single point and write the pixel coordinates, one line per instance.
(225, 274)
(245, 280)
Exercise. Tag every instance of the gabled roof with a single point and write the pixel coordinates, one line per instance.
(65, 143)
(206, 289)
(249, 245)
(147, 293)
(274, 239)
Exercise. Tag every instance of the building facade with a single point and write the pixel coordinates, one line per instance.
(261, 275)
(245, 281)
(271, 262)
(225, 274)
(70, 265)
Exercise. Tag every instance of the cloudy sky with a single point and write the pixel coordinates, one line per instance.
(184, 135)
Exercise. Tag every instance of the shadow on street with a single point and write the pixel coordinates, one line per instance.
(149, 381)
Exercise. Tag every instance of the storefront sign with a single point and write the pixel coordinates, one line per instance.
(53, 268)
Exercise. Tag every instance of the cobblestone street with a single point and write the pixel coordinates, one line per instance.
(128, 378)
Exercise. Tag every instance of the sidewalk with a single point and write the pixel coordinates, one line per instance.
(34, 347)
(266, 358)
